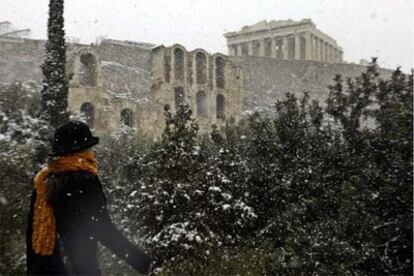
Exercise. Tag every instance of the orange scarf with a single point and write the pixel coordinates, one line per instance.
(44, 227)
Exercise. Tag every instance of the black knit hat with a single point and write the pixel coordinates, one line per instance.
(72, 136)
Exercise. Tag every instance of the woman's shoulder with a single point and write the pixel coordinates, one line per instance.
(83, 179)
(74, 176)
(74, 182)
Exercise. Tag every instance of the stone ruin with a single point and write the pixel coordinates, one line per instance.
(114, 84)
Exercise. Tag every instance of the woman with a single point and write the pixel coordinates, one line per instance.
(68, 208)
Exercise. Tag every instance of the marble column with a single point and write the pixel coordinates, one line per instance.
(322, 52)
(332, 58)
(239, 50)
(285, 47)
(262, 48)
(279, 47)
(314, 56)
(297, 47)
(312, 47)
(317, 49)
(308, 46)
(328, 52)
(250, 48)
(272, 47)
(234, 49)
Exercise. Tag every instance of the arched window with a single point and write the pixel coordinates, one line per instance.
(127, 117)
(201, 103)
(87, 70)
(179, 97)
(179, 64)
(220, 72)
(201, 68)
(88, 113)
(220, 107)
(167, 67)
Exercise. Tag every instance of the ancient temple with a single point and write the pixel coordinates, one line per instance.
(285, 39)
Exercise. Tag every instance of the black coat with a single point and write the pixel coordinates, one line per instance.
(81, 221)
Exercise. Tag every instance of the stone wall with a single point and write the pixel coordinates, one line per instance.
(20, 60)
(114, 78)
(121, 78)
(267, 79)
(122, 81)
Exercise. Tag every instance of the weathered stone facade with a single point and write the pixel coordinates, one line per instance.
(109, 88)
(117, 83)
(286, 39)
(266, 79)
(210, 84)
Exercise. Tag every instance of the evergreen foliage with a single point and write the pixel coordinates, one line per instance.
(319, 190)
(22, 136)
(55, 90)
(186, 206)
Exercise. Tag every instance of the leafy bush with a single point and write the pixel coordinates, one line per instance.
(186, 205)
(22, 138)
(316, 190)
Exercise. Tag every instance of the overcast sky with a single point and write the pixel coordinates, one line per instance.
(364, 28)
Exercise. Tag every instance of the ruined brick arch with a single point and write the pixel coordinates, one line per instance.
(219, 68)
(88, 69)
(201, 67)
(87, 111)
(220, 107)
(179, 64)
(179, 97)
(127, 117)
(201, 99)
